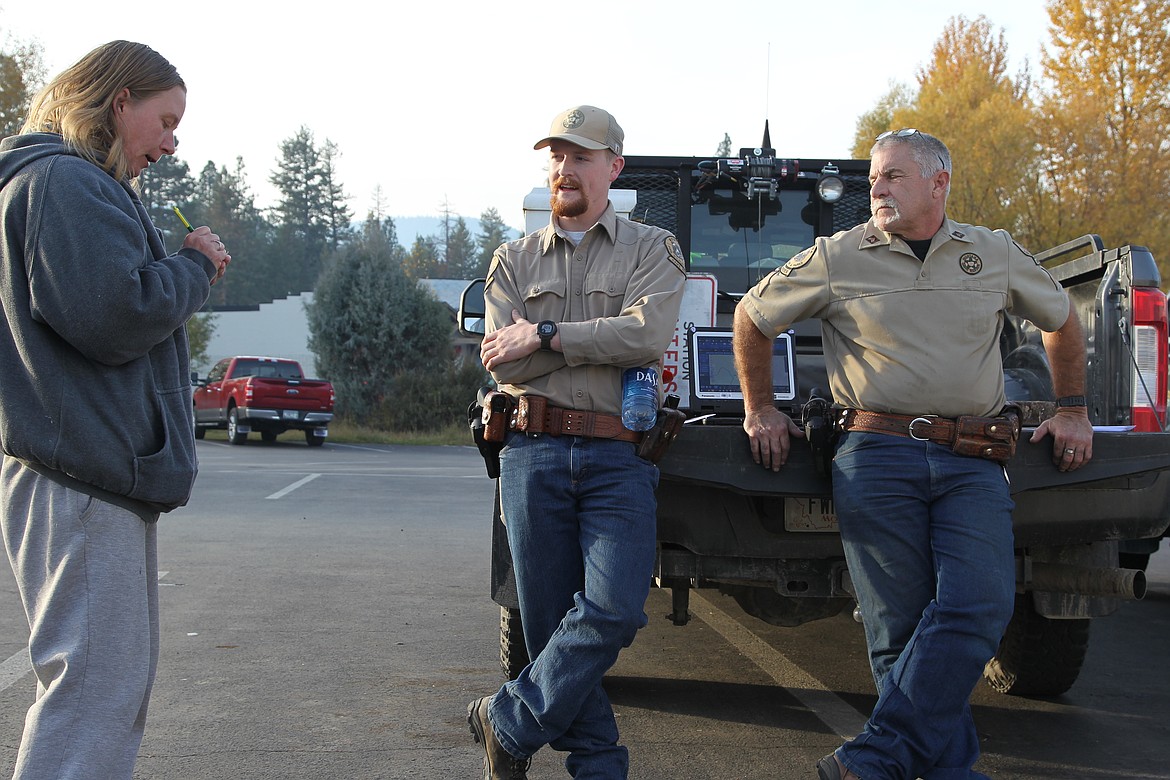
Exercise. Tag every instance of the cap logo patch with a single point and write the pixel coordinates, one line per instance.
(574, 120)
(971, 263)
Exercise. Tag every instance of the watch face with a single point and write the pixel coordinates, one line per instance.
(546, 328)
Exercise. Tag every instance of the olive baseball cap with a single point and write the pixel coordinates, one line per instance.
(587, 126)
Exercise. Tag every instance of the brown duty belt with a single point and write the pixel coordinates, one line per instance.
(534, 414)
(993, 438)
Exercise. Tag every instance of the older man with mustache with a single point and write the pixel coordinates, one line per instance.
(912, 305)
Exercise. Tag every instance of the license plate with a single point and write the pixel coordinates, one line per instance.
(810, 514)
(291, 414)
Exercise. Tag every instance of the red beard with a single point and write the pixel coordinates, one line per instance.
(562, 207)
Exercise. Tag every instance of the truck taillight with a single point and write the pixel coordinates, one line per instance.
(1150, 362)
(248, 390)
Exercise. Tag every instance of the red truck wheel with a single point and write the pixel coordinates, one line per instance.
(234, 436)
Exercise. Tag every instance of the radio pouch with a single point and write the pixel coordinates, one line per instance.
(665, 430)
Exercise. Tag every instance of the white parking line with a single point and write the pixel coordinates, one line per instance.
(293, 486)
(831, 709)
(14, 668)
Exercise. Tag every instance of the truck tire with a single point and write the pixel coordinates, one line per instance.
(233, 428)
(268, 437)
(513, 651)
(313, 440)
(199, 432)
(1038, 656)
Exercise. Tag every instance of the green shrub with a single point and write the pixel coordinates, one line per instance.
(430, 400)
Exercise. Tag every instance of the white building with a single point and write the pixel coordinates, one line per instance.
(281, 328)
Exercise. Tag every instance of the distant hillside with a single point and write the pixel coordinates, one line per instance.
(410, 227)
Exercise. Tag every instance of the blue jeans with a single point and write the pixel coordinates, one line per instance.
(580, 515)
(928, 540)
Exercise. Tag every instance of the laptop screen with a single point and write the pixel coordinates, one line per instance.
(714, 382)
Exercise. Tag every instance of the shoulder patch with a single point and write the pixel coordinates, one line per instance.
(674, 252)
(799, 260)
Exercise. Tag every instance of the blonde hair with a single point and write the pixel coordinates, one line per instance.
(79, 103)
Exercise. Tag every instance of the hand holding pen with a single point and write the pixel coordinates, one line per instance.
(203, 240)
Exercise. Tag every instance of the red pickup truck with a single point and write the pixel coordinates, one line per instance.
(265, 394)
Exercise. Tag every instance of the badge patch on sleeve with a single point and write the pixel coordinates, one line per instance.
(674, 252)
(799, 260)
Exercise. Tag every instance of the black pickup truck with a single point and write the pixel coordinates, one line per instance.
(770, 539)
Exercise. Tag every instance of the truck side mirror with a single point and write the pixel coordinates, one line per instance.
(472, 309)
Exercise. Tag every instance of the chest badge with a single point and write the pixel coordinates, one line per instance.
(971, 263)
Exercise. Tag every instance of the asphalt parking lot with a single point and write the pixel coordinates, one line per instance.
(325, 614)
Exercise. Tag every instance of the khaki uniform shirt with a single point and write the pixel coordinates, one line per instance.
(615, 299)
(908, 336)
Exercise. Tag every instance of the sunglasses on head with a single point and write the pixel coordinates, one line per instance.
(905, 133)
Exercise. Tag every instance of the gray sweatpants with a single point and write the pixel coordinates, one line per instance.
(87, 572)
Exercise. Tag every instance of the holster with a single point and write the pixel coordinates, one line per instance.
(665, 430)
(820, 433)
(993, 438)
(488, 417)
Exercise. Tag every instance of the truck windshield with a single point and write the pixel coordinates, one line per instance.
(741, 257)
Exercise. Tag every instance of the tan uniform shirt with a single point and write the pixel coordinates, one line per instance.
(908, 336)
(615, 299)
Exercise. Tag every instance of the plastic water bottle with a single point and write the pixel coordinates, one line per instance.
(639, 398)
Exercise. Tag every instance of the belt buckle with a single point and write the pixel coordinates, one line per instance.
(910, 428)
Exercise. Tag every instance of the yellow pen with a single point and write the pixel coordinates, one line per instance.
(182, 219)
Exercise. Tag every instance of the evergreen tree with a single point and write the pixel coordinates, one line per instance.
(225, 204)
(462, 258)
(492, 233)
(422, 261)
(369, 323)
(165, 182)
(337, 215)
(305, 209)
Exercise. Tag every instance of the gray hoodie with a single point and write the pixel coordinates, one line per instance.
(94, 374)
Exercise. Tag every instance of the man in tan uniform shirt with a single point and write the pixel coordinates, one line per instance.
(569, 308)
(912, 305)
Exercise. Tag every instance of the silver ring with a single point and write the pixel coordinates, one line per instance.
(1070, 452)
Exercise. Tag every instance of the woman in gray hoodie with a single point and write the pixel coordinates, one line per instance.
(95, 399)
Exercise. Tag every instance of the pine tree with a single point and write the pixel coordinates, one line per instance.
(369, 323)
(492, 233)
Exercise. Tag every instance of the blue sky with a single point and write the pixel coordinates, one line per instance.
(440, 102)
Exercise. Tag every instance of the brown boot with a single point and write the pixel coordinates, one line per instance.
(498, 764)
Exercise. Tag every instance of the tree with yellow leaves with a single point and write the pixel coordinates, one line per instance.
(1104, 120)
(967, 98)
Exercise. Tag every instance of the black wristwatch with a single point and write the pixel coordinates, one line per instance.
(546, 329)
(1070, 400)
